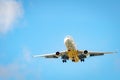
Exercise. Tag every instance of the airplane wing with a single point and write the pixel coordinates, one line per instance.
(52, 55)
(98, 53)
(91, 53)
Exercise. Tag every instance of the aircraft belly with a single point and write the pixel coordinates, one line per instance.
(73, 54)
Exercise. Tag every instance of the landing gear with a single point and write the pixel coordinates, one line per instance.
(73, 60)
(64, 61)
(82, 60)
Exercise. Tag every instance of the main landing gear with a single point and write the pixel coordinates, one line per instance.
(73, 60)
(64, 61)
(82, 60)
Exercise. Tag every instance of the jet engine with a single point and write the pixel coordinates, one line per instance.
(85, 52)
(57, 53)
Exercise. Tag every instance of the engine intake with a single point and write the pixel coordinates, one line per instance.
(57, 53)
(85, 51)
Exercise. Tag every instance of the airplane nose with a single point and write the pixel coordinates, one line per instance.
(67, 39)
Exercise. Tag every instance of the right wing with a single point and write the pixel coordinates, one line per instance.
(99, 53)
(52, 55)
(91, 53)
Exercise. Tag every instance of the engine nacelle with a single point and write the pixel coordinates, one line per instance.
(57, 53)
(83, 55)
(85, 52)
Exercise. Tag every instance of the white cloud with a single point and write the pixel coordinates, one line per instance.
(21, 68)
(10, 71)
(26, 54)
(10, 11)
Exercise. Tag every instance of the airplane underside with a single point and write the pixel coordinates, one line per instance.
(73, 56)
(72, 52)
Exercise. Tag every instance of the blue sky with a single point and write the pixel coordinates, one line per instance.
(39, 27)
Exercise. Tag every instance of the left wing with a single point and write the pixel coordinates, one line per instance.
(52, 55)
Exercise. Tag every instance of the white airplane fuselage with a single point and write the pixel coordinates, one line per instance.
(71, 48)
(72, 53)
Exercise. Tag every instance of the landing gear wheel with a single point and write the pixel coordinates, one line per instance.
(73, 60)
(64, 61)
(82, 60)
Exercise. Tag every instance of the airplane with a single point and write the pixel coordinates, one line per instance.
(72, 53)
